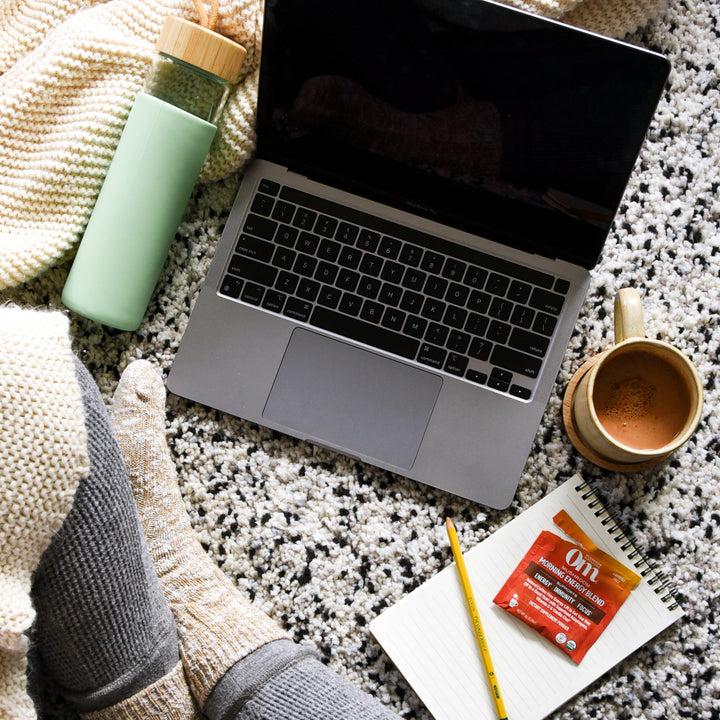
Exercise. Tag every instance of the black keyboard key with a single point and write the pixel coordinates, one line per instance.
(393, 319)
(500, 309)
(262, 204)
(479, 302)
(286, 235)
(368, 241)
(284, 258)
(454, 269)
(522, 316)
(369, 287)
(304, 219)
(455, 317)
(515, 361)
(329, 250)
(231, 286)
(371, 265)
(433, 309)
(476, 376)
(498, 331)
(308, 289)
(432, 262)
(305, 265)
(520, 392)
(252, 294)
(519, 292)
(436, 334)
(254, 248)
(436, 286)
(283, 211)
(389, 248)
(326, 273)
(457, 294)
(392, 272)
(431, 355)
(287, 282)
(349, 257)
(274, 301)
(307, 242)
(475, 277)
(544, 324)
(259, 226)
(329, 296)
(529, 342)
(499, 380)
(415, 326)
(297, 309)
(326, 226)
(347, 233)
(390, 294)
(412, 302)
(269, 186)
(414, 279)
(562, 286)
(458, 342)
(546, 301)
(350, 304)
(497, 284)
(252, 270)
(476, 324)
(347, 280)
(372, 311)
(410, 255)
(480, 349)
(456, 364)
(364, 332)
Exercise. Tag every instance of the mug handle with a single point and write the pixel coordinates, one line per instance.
(628, 315)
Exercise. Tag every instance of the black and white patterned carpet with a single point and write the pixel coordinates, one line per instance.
(324, 543)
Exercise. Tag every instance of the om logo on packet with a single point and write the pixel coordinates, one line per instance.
(567, 591)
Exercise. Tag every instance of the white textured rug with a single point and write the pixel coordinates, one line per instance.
(324, 544)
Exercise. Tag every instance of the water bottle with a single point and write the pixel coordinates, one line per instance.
(152, 174)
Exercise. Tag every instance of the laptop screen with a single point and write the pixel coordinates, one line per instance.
(485, 118)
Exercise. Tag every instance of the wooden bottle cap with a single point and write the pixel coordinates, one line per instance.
(201, 47)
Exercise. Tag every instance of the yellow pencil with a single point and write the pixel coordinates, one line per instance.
(475, 617)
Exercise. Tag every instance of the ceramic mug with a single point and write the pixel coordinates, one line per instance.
(642, 398)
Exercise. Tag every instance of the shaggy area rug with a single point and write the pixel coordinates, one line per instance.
(324, 544)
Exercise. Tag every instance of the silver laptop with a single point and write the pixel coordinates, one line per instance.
(403, 266)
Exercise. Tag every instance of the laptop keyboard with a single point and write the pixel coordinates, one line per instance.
(444, 306)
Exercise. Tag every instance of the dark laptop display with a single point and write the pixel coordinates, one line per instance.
(523, 131)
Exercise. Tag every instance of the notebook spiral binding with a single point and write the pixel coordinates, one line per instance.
(657, 580)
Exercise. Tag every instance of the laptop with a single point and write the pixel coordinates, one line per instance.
(402, 269)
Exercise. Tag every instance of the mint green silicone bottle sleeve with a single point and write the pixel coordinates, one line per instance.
(149, 182)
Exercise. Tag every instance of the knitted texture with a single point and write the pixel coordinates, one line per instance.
(217, 626)
(168, 698)
(43, 456)
(69, 78)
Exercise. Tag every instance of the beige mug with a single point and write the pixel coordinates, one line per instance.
(641, 399)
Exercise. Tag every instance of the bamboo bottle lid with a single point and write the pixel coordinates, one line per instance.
(201, 47)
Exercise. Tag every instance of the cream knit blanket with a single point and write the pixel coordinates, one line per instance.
(43, 456)
(70, 71)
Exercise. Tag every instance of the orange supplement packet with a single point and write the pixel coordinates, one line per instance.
(567, 591)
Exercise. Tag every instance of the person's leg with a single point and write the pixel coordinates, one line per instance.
(239, 664)
(103, 629)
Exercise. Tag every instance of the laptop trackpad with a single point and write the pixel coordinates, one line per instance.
(333, 393)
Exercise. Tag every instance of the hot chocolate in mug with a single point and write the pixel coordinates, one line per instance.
(641, 399)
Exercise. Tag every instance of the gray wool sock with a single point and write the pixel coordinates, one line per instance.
(103, 629)
(285, 681)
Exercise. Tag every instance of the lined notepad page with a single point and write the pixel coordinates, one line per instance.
(429, 636)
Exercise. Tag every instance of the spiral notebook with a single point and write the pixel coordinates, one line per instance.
(429, 636)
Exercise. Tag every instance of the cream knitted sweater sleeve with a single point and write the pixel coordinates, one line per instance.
(43, 456)
(69, 72)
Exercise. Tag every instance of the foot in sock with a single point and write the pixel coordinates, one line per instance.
(216, 625)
